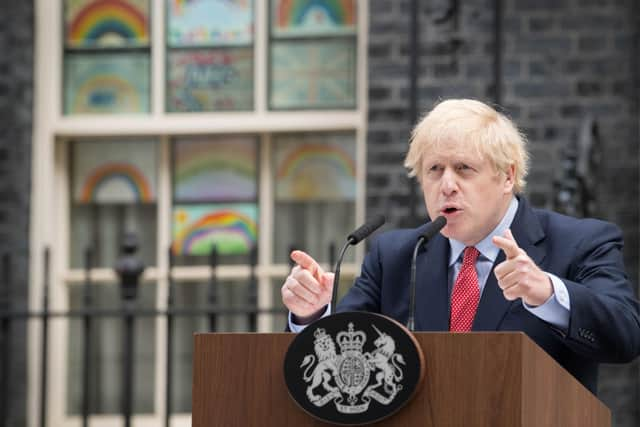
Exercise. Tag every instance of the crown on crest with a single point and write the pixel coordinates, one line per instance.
(351, 340)
(321, 336)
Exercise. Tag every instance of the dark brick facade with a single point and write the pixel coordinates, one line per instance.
(16, 118)
(562, 60)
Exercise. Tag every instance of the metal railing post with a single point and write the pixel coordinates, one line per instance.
(252, 299)
(45, 338)
(86, 343)
(212, 292)
(129, 268)
(170, 304)
(5, 338)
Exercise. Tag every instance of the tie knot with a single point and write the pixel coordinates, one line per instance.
(470, 255)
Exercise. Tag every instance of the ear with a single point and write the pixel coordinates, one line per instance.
(510, 179)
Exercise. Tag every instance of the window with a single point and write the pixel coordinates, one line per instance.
(233, 125)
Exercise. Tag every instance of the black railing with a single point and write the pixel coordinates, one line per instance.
(129, 270)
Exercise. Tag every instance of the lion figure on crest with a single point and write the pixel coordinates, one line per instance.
(325, 350)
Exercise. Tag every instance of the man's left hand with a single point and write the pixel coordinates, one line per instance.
(518, 276)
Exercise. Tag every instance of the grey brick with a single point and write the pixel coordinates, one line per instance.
(591, 44)
(539, 24)
(539, 5)
(541, 89)
(588, 88)
(560, 45)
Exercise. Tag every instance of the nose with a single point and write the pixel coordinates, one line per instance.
(448, 182)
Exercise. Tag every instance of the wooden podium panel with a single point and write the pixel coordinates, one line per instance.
(490, 379)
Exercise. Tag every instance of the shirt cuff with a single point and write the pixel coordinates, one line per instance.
(294, 327)
(557, 309)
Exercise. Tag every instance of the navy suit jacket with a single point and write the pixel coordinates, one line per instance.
(604, 323)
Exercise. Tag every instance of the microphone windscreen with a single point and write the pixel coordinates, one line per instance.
(433, 227)
(367, 228)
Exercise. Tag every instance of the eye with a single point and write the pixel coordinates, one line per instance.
(463, 167)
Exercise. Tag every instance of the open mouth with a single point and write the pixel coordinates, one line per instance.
(450, 210)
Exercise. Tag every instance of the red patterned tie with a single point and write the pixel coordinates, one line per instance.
(466, 293)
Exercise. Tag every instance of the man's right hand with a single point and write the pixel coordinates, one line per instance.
(307, 289)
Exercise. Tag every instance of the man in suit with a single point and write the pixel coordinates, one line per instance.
(498, 264)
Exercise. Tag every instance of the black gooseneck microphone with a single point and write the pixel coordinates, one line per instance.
(353, 239)
(432, 228)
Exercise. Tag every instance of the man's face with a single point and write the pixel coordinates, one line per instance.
(466, 189)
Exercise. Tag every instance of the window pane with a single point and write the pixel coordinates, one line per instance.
(219, 75)
(210, 80)
(106, 83)
(114, 172)
(215, 196)
(312, 74)
(106, 57)
(215, 169)
(314, 177)
(209, 22)
(232, 228)
(106, 353)
(114, 192)
(313, 18)
(107, 23)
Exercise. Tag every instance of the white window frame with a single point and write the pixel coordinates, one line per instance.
(49, 221)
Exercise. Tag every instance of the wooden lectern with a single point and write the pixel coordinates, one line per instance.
(488, 379)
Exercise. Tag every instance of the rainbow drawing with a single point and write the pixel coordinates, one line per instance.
(111, 83)
(313, 17)
(108, 23)
(210, 23)
(215, 170)
(231, 227)
(107, 174)
(210, 79)
(313, 74)
(105, 94)
(314, 171)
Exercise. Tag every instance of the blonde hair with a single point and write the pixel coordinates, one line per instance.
(490, 133)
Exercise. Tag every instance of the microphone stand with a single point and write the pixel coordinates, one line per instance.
(336, 276)
(353, 239)
(412, 288)
(431, 229)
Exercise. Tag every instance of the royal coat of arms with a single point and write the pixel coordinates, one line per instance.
(352, 378)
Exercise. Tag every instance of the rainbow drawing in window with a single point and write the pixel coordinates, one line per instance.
(313, 17)
(106, 84)
(210, 23)
(313, 74)
(232, 228)
(210, 80)
(312, 170)
(107, 23)
(215, 170)
(114, 172)
(123, 178)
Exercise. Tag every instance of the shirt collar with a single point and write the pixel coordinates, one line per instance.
(486, 247)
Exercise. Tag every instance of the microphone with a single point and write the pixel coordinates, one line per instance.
(367, 228)
(353, 239)
(431, 230)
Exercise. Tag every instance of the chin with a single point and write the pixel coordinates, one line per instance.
(447, 233)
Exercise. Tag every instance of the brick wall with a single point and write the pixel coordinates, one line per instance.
(16, 118)
(562, 60)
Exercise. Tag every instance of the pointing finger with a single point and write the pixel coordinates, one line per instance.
(507, 244)
(305, 261)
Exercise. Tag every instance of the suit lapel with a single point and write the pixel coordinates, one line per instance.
(529, 234)
(432, 295)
